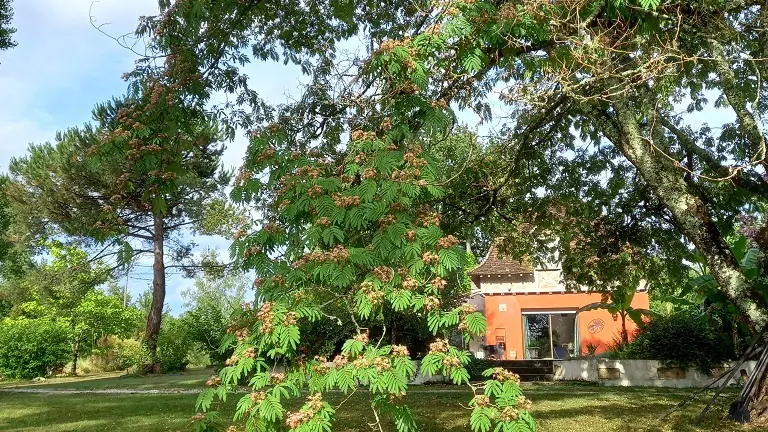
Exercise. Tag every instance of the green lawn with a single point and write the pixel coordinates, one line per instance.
(557, 408)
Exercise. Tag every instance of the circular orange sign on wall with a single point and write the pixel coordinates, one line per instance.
(595, 326)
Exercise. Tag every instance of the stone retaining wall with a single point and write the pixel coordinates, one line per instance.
(649, 373)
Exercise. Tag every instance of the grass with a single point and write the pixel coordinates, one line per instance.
(557, 407)
(191, 379)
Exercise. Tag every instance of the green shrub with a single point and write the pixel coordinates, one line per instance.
(116, 354)
(198, 356)
(681, 340)
(33, 347)
(173, 345)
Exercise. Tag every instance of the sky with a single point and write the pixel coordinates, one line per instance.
(63, 66)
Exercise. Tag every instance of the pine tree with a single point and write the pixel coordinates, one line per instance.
(130, 184)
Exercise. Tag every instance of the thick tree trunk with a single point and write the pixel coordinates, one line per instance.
(759, 409)
(690, 213)
(155, 316)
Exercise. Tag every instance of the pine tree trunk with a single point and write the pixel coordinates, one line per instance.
(155, 316)
(75, 355)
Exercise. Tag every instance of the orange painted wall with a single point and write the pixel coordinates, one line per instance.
(509, 323)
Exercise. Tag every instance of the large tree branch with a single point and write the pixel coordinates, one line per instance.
(689, 211)
(689, 145)
(738, 101)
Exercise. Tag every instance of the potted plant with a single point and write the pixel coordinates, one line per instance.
(533, 348)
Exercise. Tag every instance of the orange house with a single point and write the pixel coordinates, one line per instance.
(531, 315)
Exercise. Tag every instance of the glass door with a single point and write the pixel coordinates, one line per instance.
(550, 335)
(564, 341)
(537, 336)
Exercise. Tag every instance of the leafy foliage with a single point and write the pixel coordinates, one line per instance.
(6, 31)
(681, 340)
(357, 234)
(173, 345)
(33, 347)
(210, 304)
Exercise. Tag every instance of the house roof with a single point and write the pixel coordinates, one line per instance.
(496, 264)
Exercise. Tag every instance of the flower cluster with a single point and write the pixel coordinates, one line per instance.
(404, 175)
(502, 375)
(509, 414)
(276, 377)
(213, 381)
(523, 403)
(369, 173)
(290, 318)
(258, 397)
(358, 135)
(400, 351)
(439, 283)
(410, 235)
(410, 284)
(369, 290)
(387, 220)
(272, 228)
(390, 44)
(337, 255)
(430, 258)
(315, 191)
(431, 303)
(266, 154)
(361, 363)
(323, 221)
(440, 104)
(412, 159)
(308, 171)
(250, 353)
(345, 201)
(439, 346)
(265, 317)
(447, 242)
(321, 367)
(384, 273)
(362, 337)
(232, 361)
(311, 408)
(242, 334)
(340, 361)
(253, 250)
(382, 364)
(451, 362)
(427, 217)
(482, 400)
